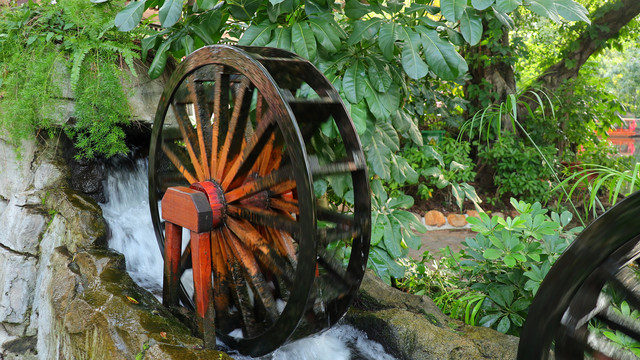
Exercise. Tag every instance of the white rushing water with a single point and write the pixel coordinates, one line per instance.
(131, 233)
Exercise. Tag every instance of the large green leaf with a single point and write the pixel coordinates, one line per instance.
(353, 82)
(390, 99)
(170, 12)
(471, 26)
(359, 116)
(505, 19)
(130, 16)
(544, 8)
(303, 40)
(378, 75)
(392, 240)
(281, 39)
(159, 60)
(507, 6)
(374, 101)
(452, 9)
(279, 8)
(387, 39)
(325, 33)
(355, 9)
(388, 135)
(257, 34)
(481, 4)
(572, 11)
(411, 61)
(243, 9)
(364, 29)
(378, 158)
(441, 56)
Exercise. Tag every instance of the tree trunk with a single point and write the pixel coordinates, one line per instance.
(494, 82)
(613, 16)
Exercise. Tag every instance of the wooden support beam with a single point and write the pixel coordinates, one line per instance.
(171, 278)
(187, 208)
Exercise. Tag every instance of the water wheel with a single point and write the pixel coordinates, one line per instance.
(265, 136)
(588, 305)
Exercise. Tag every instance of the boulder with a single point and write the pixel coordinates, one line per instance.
(411, 327)
(22, 223)
(456, 220)
(434, 218)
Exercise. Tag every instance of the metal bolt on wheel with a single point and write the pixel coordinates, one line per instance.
(233, 124)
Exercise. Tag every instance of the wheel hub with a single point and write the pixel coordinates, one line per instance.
(215, 195)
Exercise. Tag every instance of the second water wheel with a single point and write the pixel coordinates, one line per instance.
(264, 134)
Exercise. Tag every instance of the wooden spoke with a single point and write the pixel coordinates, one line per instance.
(237, 126)
(326, 214)
(189, 137)
(243, 164)
(242, 299)
(290, 206)
(264, 217)
(203, 125)
(336, 167)
(337, 271)
(281, 176)
(284, 243)
(221, 280)
(178, 164)
(626, 280)
(244, 232)
(253, 275)
(328, 235)
(220, 115)
(616, 321)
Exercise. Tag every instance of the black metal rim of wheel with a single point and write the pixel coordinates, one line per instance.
(266, 187)
(571, 297)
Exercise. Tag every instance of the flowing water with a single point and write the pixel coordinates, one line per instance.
(131, 233)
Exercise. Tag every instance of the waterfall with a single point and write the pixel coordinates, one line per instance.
(131, 233)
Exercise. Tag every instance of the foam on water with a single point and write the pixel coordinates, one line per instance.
(131, 233)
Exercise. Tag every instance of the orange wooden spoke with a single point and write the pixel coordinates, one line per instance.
(176, 162)
(276, 159)
(264, 217)
(253, 275)
(189, 137)
(220, 115)
(260, 106)
(260, 184)
(244, 232)
(243, 164)
(283, 187)
(221, 279)
(284, 243)
(262, 162)
(284, 205)
(203, 126)
(237, 125)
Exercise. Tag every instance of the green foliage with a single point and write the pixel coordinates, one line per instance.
(39, 43)
(492, 281)
(392, 232)
(519, 170)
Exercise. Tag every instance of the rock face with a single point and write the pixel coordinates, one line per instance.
(63, 295)
(411, 327)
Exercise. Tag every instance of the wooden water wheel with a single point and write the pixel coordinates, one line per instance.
(248, 127)
(588, 306)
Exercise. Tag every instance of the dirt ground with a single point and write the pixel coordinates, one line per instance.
(434, 240)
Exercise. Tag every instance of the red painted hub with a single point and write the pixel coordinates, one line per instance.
(215, 194)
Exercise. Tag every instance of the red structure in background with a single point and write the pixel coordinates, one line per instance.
(625, 137)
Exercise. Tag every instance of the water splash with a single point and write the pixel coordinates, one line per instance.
(131, 233)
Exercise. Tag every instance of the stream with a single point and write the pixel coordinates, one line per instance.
(131, 233)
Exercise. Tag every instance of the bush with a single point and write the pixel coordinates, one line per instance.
(519, 170)
(492, 281)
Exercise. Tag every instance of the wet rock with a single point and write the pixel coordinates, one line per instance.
(456, 220)
(94, 313)
(411, 327)
(87, 177)
(434, 218)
